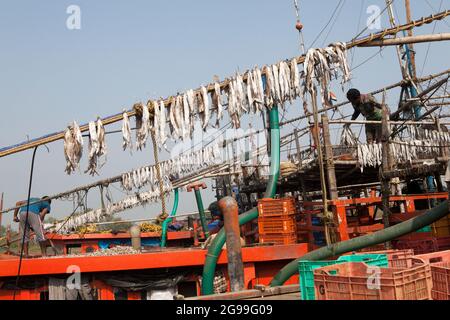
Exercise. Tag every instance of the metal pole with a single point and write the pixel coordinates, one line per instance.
(329, 162)
(386, 166)
(197, 186)
(1, 214)
(229, 208)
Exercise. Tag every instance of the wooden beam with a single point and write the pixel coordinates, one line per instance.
(407, 40)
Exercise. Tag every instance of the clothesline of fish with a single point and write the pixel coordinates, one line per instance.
(177, 168)
(249, 93)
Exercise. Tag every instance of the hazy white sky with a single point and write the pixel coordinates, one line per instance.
(130, 51)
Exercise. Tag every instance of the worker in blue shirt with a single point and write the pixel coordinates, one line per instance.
(217, 218)
(37, 211)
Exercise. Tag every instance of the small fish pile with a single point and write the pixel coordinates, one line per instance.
(73, 147)
(321, 66)
(150, 227)
(97, 146)
(370, 155)
(115, 251)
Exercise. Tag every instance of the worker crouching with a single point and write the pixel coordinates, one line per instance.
(371, 109)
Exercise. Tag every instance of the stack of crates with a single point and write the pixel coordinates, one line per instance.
(277, 221)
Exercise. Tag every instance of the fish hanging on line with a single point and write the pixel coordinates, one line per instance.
(73, 147)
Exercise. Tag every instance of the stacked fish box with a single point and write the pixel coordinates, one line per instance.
(277, 221)
(359, 281)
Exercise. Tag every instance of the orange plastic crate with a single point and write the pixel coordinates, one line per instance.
(277, 225)
(440, 273)
(276, 207)
(283, 239)
(351, 281)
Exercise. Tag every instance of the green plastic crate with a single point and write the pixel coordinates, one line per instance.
(306, 269)
(425, 230)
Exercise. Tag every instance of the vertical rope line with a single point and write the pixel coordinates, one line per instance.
(159, 177)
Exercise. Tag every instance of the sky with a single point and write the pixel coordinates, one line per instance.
(131, 51)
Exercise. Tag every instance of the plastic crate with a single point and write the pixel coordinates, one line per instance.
(350, 281)
(441, 228)
(397, 258)
(277, 207)
(277, 225)
(419, 246)
(440, 273)
(443, 243)
(306, 270)
(283, 239)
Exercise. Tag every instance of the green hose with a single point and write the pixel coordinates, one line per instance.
(215, 249)
(170, 219)
(359, 243)
(201, 211)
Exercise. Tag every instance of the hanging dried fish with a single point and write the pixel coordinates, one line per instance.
(187, 116)
(73, 147)
(270, 90)
(250, 89)
(295, 80)
(175, 131)
(126, 132)
(142, 125)
(217, 103)
(179, 117)
(205, 107)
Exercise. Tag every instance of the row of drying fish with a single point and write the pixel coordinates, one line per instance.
(407, 151)
(98, 215)
(247, 93)
(186, 164)
(242, 96)
(370, 155)
(320, 67)
(177, 168)
(418, 133)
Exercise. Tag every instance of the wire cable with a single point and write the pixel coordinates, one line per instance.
(25, 227)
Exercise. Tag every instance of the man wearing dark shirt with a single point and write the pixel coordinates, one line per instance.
(371, 109)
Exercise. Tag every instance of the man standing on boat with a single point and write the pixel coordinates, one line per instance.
(371, 109)
(37, 211)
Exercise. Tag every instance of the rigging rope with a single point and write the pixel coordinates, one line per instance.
(163, 216)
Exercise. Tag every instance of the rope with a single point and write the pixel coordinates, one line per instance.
(163, 216)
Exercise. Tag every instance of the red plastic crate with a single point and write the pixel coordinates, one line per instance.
(350, 282)
(397, 258)
(283, 239)
(440, 272)
(277, 207)
(277, 225)
(443, 243)
(419, 246)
